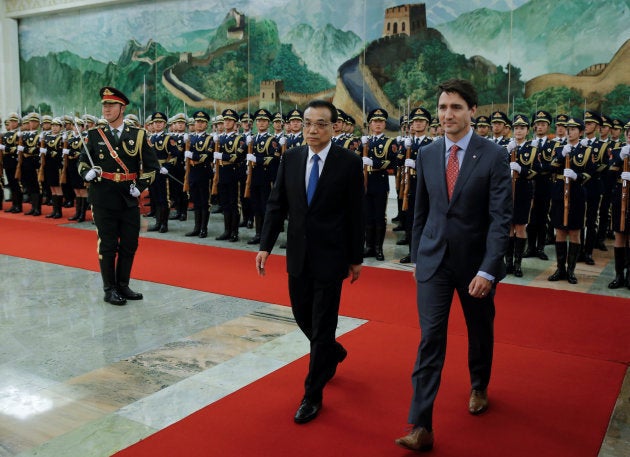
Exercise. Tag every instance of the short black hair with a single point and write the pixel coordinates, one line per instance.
(462, 87)
(324, 104)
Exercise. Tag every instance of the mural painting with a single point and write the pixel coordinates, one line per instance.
(178, 56)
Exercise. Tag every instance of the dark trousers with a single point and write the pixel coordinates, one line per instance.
(117, 230)
(315, 306)
(434, 304)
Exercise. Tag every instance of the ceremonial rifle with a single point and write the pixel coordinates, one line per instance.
(186, 186)
(42, 160)
(18, 170)
(64, 169)
(1, 160)
(250, 169)
(217, 165)
(514, 173)
(624, 198)
(406, 184)
(567, 190)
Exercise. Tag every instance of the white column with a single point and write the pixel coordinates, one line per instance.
(10, 99)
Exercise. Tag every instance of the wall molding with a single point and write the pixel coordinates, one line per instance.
(16, 9)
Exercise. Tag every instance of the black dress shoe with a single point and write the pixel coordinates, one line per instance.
(529, 253)
(588, 259)
(112, 296)
(129, 294)
(541, 254)
(406, 259)
(307, 411)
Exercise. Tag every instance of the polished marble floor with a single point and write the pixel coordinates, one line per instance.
(79, 377)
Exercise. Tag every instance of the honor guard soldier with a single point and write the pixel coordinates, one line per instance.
(594, 187)
(398, 167)
(609, 182)
(568, 199)
(379, 154)
(345, 138)
(543, 150)
(71, 153)
(349, 125)
(200, 173)
(119, 164)
(523, 168)
(278, 125)
(263, 158)
(51, 165)
(28, 164)
(498, 121)
(295, 137)
(420, 121)
(10, 141)
(176, 147)
(482, 126)
(227, 159)
(160, 188)
(620, 215)
(561, 128)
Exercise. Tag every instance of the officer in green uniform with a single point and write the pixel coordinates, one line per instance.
(119, 164)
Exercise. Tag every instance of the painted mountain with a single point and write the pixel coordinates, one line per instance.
(547, 35)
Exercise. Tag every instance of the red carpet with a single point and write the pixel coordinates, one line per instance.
(560, 360)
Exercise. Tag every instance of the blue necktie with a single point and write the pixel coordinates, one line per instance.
(312, 179)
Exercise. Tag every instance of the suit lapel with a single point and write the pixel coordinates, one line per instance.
(471, 159)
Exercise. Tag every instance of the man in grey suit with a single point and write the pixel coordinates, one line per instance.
(320, 187)
(460, 234)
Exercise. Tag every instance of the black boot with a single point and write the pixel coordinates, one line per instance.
(519, 247)
(108, 273)
(589, 244)
(197, 228)
(82, 208)
(77, 206)
(574, 250)
(561, 259)
(183, 208)
(379, 238)
(258, 224)
(56, 207)
(164, 220)
(620, 266)
(405, 239)
(234, 227)
(159, 212)
(509, 257)
(369, 242)
(123, 273)
(35, 210)
(203, 229)
(227, 219)
(540, 251)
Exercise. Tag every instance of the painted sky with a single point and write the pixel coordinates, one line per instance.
(165, 20)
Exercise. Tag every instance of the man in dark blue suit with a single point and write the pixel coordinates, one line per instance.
(320, 187)
(460, 234)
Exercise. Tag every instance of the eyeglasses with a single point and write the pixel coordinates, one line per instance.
(318, 125)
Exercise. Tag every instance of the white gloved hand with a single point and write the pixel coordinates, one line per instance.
(410, 163)
(163, 170)
(2, 147)
(251, 158)
(511, 145)
(365, 139)
(215, 137)
(248, 139)
(584, 142)
(20, 148)
(399, 139)
(282, 141)
(188, 154)
(65, 151)
(186, 137)
(91, 174)
(569, 173)
(218, 156)
(43, 150)
(625, 175)
(407, 142)
(514, 166)
(134, 192)
(367, 161)
(625, 152)
(566, 150)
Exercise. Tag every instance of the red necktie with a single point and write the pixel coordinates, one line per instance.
(452, 170)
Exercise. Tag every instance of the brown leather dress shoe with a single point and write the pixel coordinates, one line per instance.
(478, 401)
(419, 439)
